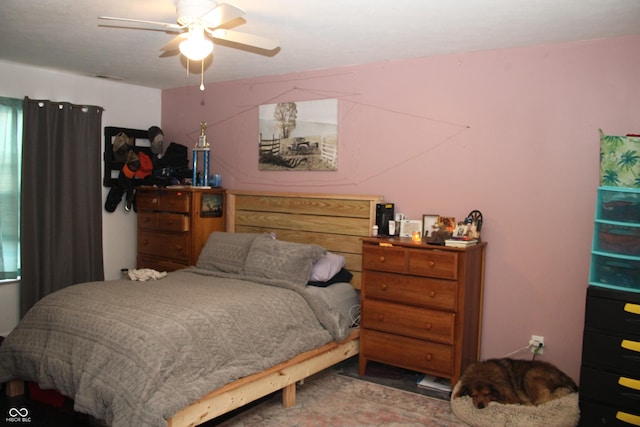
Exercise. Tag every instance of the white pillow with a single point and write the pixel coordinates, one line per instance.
(326, 267)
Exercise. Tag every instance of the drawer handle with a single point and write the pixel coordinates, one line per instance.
(178, 247)
(381, 258)
(629, 383)
(432, 294)
(630, 345)
(170, 222)
(384, 287)
(428, 326)
(147, 220)
(145, 242)
(431, 264)
(628, 418)
(381, 317)
(632, 308)
(428, 357)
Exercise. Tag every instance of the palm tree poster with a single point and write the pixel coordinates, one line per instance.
(299, 136)
(619, 161)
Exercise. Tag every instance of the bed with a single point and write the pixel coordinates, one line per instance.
(195, 369)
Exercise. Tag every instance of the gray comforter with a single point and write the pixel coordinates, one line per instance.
(133, 353)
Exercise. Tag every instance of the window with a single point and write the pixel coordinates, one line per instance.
(10, 177)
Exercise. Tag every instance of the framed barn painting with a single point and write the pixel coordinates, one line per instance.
(299, 136)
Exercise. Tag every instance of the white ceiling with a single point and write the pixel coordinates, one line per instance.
(314, 34)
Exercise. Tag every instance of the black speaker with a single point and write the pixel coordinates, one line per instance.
(384, 213)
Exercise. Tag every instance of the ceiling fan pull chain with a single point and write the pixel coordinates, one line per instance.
(202, 76)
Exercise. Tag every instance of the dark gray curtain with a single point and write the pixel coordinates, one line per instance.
(61, 210)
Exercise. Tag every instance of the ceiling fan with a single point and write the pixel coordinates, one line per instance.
(199, 23)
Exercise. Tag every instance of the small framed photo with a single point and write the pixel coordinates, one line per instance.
(461, 231)
(449, 223)
(409, 226)
(429, 224)
(211, 205)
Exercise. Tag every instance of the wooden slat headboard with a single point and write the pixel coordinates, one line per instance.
(336, 222)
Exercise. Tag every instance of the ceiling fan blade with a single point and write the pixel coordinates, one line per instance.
(169, 53)
(174, 43)
(141, 21)
(221, 14)
(244, 38)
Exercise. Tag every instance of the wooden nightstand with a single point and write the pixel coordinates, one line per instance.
(175, 223)
(421, 306)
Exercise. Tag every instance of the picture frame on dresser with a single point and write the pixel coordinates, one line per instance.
(212, 205)
(448, 222)
(429, 222)
(461, 231)
(409, 226)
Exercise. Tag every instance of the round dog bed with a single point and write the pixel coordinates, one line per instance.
(561, 412)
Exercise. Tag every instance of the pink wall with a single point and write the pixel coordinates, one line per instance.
(513, 133)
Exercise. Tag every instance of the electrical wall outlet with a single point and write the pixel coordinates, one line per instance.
(536, 344)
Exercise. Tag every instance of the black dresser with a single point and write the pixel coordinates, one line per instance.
(610, 372)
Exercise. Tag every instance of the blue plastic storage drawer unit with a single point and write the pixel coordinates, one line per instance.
(615, 255)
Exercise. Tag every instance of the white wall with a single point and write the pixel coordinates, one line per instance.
(124, 106)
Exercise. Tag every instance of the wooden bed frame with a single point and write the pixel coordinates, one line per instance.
(336, 222)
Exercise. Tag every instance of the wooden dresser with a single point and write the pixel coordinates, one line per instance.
(174, 224)
(421, 306)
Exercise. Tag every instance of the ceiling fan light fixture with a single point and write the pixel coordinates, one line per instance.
(190, 12)
(197, 46)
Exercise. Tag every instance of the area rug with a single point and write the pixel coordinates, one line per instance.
(333, 400)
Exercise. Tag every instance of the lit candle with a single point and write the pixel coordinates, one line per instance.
(415, 236)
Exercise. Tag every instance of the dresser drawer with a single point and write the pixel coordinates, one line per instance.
(175, 202)
(408, 353)
(434, 293)
(162, 221)
(619, 390)
(146, 200)
(615, 315)
(383, 259)
(168, 201)
(614, 352)
(593, 414)
(173, 222)
(413, 322)
(147, 220)
(164, 245)
(429, 263)
(435, 263)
